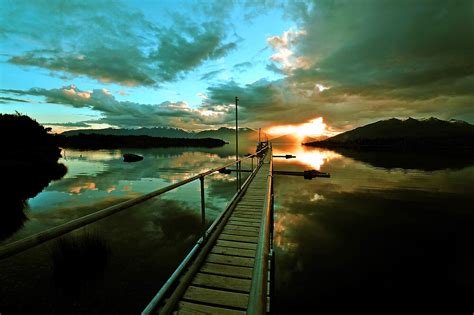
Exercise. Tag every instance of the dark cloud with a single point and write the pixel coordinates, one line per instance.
(11, 99)
(184, 48)
(211, 74)
(108, 41)
(388, 44)
(242, 66)
(386, 47)
(69, 124)
(379, 59)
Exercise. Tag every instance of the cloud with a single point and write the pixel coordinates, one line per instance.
(383, 47)
(284, 55)
(79, 124)
(242, 66)
(6, 100)
(109, 42)
(356, 62)
(211, 74)
(130, 114)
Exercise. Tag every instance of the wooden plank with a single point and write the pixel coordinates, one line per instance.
(243, 223)
(227, 270)
(216, 297)
(247, 213)
(242, 228)
(255, 209)
(251, 204)
(186, 308)
(239, 238)
(236, 244)
(221, 282)
(243, 219)
(240, 232)
(231, 260)
(249, 209)
(233, 251)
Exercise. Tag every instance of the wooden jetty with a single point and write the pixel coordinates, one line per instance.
(231, 273)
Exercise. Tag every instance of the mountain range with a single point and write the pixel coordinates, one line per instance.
(223, 133)
(410, 133)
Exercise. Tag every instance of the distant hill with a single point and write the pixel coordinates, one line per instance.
(151, 132)
(409, 133)
(97, 141)
(226, 134)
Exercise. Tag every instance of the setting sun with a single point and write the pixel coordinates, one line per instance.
(314, 128)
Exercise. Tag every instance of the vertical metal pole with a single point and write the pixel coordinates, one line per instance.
(252, 163)
(237, 140)
(203, 207)
(240, 174)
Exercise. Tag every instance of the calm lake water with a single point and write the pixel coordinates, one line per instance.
(385, 232)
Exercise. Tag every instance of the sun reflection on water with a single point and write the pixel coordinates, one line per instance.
(313, 157)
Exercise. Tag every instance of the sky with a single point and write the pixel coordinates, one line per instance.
(340, 64)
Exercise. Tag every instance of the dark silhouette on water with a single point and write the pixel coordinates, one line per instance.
(130, 157)
(226, 134)
(432, 160)
(96, 141)
(410, 134)
(28, 164)
(427, 145)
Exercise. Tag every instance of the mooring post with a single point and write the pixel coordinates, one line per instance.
(203, 207)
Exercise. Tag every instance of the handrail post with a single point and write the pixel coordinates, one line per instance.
(203, 208)
(240, 175)
(237, 141)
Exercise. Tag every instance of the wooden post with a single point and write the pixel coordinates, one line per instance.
(237, 140)
(203, 207)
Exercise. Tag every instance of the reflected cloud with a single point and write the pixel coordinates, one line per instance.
(86, 186)
(111, 189)
(317, 197)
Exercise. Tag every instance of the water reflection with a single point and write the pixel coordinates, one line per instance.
(373, 239)
(20, 182)
(145, 243)
(308, 157)
(414, 160)
(97, 179)
(368, 238)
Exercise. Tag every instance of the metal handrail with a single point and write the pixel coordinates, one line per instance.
(258, 289)
(39, 238)
(162, 293)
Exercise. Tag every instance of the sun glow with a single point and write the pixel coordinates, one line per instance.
(314, 158)
(314, 128)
